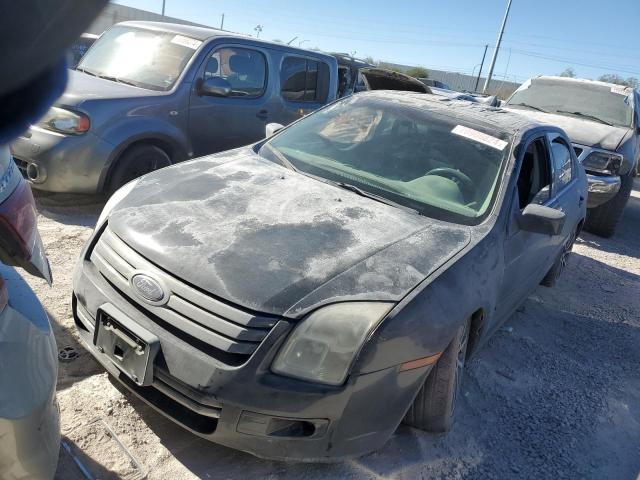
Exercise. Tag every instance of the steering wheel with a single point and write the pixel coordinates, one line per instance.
(463, 181)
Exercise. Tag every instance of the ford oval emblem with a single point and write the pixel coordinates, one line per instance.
(148, 288)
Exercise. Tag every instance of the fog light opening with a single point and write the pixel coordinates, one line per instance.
(33, 172)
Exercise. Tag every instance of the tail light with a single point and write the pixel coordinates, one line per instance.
(4, 295)
(18, 223)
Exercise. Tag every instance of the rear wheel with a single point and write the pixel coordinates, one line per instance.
(553, 274)
(433, 408)
(602, 220)
(135, 162)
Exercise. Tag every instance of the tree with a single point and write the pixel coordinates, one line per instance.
(390, 66)
(370, 60)
(568, 72)
(417, 72)
(617, 79)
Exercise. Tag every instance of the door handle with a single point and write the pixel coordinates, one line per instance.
(581, 201)
(262, 114)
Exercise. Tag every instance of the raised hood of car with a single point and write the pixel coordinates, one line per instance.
(82, 86)
(272, 240)
(383, 79)
(581, 131)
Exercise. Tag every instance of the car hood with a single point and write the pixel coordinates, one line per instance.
(580, 131)
(82, 87)
(383, 79)
(275, 241)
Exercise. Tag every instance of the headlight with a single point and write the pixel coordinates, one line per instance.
(116, 198)
(323, 346)
(603, 162)
(65, 121)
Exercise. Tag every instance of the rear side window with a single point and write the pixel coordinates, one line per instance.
(562, 165)
(304, 80)
(245, 69)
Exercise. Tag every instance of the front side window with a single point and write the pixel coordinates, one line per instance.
(243, 68)
(304, 80)
(593, 102)
(409, 155)
(562, 165)
(534, 179)
(143, 58)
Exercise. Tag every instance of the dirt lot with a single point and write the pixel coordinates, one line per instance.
(555, 393)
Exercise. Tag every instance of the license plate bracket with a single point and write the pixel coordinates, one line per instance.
(130, 347)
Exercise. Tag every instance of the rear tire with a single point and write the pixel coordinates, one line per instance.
(553, 274)
(603, 220)
(135, 162)
(433, 408)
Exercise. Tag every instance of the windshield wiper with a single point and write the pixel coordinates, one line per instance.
(586, 115)
(528, 106)
(118, 80)
(281, 158)
(372, 196)
(88, 72)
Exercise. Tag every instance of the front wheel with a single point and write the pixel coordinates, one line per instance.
(135, 162)
(433, 408)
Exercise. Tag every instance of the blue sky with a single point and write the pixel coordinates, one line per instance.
(542, 36)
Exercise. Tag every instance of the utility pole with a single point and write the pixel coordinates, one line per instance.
(258, 29)
(495, 53)
(163, 2)
(475, 89)
(222, 22)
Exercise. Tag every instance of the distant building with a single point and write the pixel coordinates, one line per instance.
(114, 13)
(462, 82)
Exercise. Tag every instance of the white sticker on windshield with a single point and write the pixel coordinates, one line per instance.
(186, 42)
(621, 90)
(472, 134)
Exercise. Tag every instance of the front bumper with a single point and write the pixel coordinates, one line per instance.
(601, 189)
(29, 415)
(62, 163)
(245, 406)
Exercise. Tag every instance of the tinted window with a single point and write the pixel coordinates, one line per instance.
(304, 80)
(243, 68)
(534, 179)
(562, 165)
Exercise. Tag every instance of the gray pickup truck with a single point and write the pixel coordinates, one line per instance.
(603, 122)
(147, 95)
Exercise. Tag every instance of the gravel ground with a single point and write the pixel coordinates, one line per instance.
(554, 394)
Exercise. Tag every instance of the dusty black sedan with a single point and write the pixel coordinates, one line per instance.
(299, 298)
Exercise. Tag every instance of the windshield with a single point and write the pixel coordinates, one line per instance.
(413, 157)
(144, 58)
(598, 103)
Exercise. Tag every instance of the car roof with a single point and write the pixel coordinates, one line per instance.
(204, 33)
(494, 118)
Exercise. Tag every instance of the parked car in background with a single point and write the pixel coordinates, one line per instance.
(429, 82)
(300, 297)
(356, 75)
(79, 48)
(29, 417)
(148, 95)
(603, 122)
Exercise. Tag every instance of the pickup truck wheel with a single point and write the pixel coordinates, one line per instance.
(135, 162)
(434, 407)
(602, 220)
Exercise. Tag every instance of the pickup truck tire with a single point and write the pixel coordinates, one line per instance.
(135, 162)
(603, 220)
(434, 406)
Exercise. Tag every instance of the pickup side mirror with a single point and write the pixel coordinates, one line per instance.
(214, 87)
(540, 219)
(272, 128)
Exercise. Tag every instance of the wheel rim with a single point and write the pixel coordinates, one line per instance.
(566, 251)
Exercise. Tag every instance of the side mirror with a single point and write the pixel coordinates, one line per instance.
(215, 87)
(272, 128)
(540, 219)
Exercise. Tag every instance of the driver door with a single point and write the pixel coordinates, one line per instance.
(222, 123)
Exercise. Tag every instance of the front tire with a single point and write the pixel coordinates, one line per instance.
(433, 408)
(603, 220)
(135, 162)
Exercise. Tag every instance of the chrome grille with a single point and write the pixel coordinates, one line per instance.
(218, 324)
